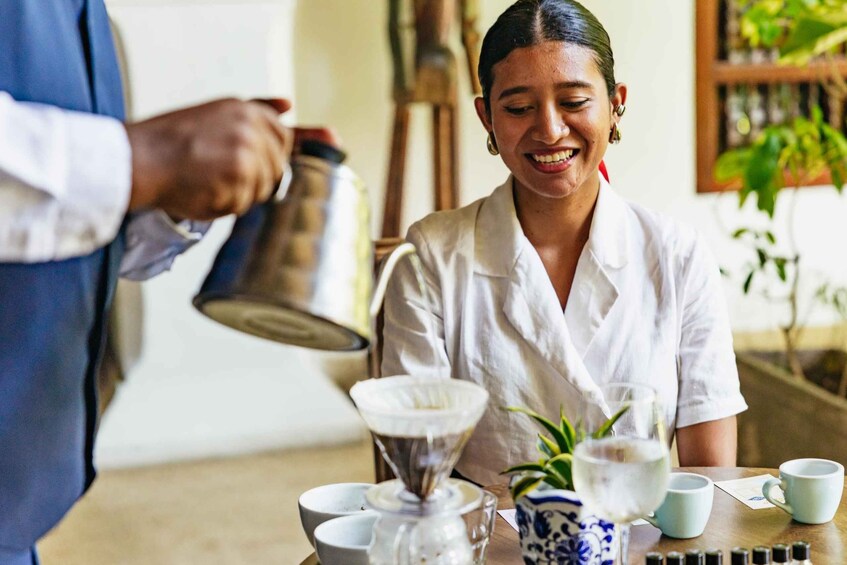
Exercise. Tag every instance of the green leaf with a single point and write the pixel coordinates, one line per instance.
(780, 268)
(562, 464)
(739, 232)
(802, 41)
(748, 281)
(523, 467)
(524, 485)
(732, 164)
(567, 430)
(606, 428)
(771, 237)
(554, 430)
(547, 446)
(811, 37)
(760, 176)
(763, 256)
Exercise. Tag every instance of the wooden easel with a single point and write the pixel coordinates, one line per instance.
(427, 75)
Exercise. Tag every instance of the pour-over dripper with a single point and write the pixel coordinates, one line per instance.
(421, 425)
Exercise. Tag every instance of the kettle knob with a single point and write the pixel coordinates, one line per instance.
(321, 150)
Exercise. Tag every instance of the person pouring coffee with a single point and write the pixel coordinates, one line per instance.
(85, 198)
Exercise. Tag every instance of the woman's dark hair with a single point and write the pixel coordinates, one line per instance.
(530, 22)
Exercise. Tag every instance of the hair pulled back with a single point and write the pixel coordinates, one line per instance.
(530, 22)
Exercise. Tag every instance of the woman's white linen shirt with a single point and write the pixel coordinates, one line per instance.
(646, 305)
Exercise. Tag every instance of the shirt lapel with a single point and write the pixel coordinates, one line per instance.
(594, 292)
(530, 302)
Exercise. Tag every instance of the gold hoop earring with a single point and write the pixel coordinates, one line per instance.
(615, 134)
(491, 144)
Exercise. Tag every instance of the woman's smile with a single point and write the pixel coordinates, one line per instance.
(552, 161)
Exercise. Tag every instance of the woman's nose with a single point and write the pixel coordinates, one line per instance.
(550, 125)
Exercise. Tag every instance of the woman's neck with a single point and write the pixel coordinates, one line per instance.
(556, 222)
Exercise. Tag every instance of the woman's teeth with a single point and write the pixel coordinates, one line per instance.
(554, 157)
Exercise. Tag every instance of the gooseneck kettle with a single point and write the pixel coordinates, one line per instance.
(298, 269)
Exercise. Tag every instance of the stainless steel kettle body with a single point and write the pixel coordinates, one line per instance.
(299, 269)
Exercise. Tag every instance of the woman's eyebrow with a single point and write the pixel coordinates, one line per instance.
(558, 85)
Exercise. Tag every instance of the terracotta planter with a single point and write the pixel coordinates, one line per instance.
(556, 529)
(788, 418)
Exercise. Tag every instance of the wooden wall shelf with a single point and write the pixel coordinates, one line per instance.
(729, 92)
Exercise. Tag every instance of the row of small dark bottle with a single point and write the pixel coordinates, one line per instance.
(800, 554)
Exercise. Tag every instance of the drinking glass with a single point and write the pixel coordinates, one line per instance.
(480, 524)
(623, 475)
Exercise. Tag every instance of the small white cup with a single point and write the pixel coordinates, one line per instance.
(345, 540)
(812, 489)
(330, 501)
(686, 507)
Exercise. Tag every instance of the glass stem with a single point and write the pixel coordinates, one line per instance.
(623, 544)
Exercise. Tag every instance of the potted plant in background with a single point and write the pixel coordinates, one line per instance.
(553, 525)
(796, 396)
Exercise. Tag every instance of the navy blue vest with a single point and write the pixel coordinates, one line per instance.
(52, 315)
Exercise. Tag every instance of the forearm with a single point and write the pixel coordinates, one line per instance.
(709, 444)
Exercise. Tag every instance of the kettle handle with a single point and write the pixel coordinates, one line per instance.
(387, 267)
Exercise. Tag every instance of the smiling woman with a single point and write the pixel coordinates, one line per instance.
(553, 285)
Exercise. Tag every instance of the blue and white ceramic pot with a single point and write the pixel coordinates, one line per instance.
(555, 529)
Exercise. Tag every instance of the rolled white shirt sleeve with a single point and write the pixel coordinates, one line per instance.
(709, 387)
(65, 181)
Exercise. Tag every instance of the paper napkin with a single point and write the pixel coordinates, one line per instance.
(748, 491)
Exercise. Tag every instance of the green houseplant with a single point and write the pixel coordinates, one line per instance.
(552, 522)
(788, 156)
(554, 466)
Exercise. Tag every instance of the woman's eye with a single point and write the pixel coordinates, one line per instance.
(574, 104)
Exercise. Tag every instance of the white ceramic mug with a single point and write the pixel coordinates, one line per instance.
(330, 501)
(812, 489)
(686, 507)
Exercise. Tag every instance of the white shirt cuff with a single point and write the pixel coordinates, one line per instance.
(153, 241)
(65, 181)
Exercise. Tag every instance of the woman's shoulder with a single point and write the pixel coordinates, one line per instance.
(447, 225)
(660, 229)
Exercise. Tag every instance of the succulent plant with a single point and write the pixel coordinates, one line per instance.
(554, 466)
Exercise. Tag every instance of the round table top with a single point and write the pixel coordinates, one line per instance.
(731, 524)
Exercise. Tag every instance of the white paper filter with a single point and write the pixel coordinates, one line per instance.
(419, 406)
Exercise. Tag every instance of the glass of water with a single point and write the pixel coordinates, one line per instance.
(622, 476)
(480, 524)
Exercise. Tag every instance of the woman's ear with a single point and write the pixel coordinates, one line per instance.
(482, 113)
(618, 99)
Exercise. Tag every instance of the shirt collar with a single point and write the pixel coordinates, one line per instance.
(499, 239)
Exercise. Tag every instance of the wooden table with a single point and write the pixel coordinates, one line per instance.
(732, 524)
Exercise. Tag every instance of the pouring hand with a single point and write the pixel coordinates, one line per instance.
(210, 160)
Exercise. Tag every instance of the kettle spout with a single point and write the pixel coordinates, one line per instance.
(387, 267)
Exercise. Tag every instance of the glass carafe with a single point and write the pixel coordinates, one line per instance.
(411, 532)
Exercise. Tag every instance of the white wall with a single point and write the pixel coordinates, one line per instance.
(343, 77)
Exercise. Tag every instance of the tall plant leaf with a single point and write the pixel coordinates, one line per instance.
(553, 429)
